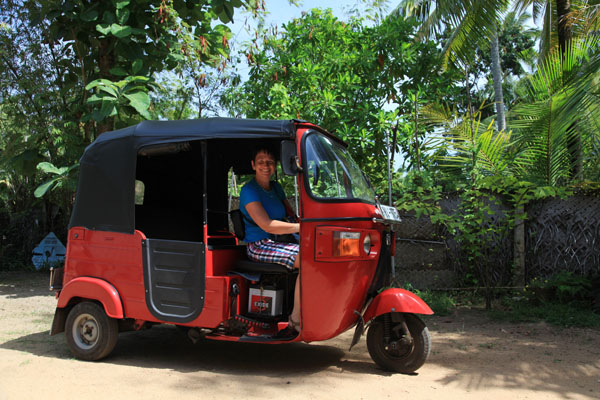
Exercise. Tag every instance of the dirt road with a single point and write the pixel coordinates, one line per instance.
(472, 358)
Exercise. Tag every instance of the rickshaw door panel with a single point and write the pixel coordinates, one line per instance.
(174, 276)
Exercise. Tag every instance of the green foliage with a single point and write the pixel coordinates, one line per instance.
(485, 216)
(62, 178)
(563, 287)
(71, 70)
(117, 46)
(564, 299)
(341, 75)
(440, 302)
(130, 93)
(565, 315)
(556, 124)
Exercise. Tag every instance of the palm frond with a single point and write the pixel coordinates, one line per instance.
(468, 18)
(564, 107)
(467, 143)
(417, 8)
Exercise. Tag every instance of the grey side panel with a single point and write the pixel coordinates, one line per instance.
(174, 275)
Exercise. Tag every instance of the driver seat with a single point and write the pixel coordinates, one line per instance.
(245, 264)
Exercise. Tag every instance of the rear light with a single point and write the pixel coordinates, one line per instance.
(346, 244)
(336, 243)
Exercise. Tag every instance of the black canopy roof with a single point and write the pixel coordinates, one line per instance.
(106, 189)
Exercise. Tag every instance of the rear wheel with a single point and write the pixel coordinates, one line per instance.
(91, 334)
(392, 349)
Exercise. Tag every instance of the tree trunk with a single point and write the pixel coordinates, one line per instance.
(106, 61)
(563, 8)
(519, 248)
(565, 33)
(497, 77)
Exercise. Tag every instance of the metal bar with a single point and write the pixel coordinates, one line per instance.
(419, 241)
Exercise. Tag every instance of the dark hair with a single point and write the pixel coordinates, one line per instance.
(263, 149)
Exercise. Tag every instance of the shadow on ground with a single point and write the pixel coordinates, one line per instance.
(470, 353)
(165, 347)
(482, 354)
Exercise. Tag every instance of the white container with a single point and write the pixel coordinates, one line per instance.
(266, 302)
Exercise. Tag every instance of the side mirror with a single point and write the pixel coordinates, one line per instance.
(289, 158)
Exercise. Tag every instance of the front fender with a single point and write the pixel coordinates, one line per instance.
(93, 289)
(396, 300)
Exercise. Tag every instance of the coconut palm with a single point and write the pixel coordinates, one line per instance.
(473, 20)
(475, 24)
(477, 19)
(563, 92)
(469, 145)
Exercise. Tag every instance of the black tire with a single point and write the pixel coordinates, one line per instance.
(406, 357)
(91, 334)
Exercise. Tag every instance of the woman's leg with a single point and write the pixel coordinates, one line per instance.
(295, 315)
(269, 251)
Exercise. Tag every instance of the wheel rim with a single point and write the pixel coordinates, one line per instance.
(86, 331)
(397, 349)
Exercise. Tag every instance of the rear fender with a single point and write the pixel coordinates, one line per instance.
(93, 289)
(396, 300)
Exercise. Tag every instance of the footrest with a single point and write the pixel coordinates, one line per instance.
(251, 322)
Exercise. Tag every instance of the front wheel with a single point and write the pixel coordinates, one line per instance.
(392, 349)
(91, 334)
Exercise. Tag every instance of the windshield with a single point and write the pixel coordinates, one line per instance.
(332, 173)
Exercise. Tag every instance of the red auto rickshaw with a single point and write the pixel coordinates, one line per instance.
(150, 242)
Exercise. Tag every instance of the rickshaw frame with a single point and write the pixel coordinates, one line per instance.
(112, 262)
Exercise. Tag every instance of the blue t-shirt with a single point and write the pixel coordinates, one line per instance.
(272, 202)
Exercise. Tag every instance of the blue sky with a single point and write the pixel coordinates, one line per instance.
(281, 11)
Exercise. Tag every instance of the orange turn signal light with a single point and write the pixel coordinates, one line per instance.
(346, 244)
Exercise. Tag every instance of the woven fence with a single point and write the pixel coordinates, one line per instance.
(563, 235)
(559, 235)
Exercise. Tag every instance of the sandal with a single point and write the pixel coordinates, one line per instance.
(293, 324)
(289, 332)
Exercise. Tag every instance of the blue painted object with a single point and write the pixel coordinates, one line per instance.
(49, 252)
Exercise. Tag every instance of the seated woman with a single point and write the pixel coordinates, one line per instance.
(263, 203)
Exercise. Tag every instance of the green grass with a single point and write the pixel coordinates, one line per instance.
(441, 303)
(565, 315)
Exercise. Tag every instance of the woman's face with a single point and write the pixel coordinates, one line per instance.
(264, 165)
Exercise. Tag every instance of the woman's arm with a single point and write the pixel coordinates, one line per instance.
(261, 218)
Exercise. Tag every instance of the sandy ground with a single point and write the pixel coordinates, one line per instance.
(472, 358)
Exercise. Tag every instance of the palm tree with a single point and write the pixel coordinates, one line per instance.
(562, 93)
(479, 19)
(475, 24)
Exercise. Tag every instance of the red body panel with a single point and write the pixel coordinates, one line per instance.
(331, 290)
(115, 259)
(112, 257)
(219, 262)
(396, 300)
(216, 302)
(95, 289)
